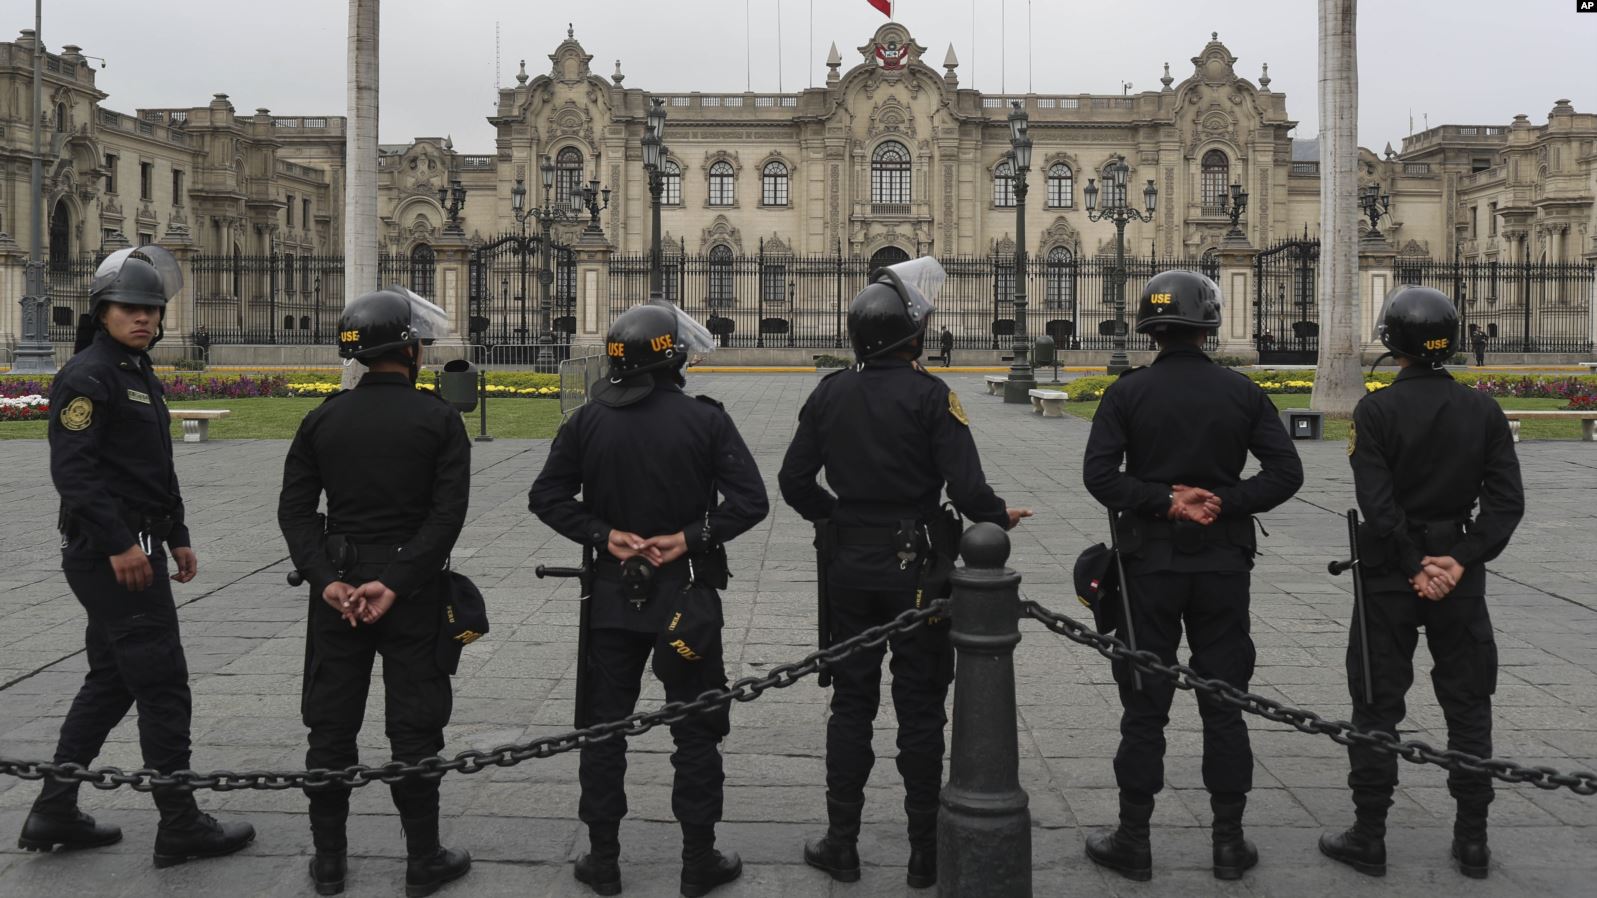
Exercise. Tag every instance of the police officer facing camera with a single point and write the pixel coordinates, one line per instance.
(889, 436)
(395, 464)
(1184, 427)
(1424, 452)
(648, 461)
(121, 512)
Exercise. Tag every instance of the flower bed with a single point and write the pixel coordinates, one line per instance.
(1530, 386)
(32, 407)
(180, 386)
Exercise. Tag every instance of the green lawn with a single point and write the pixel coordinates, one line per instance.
(277, 419)
(1336, 428)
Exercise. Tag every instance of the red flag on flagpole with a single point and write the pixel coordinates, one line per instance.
(885, 7)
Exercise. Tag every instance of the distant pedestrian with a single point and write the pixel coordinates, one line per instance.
(202, 342)
(947, 341)
(1477, 341)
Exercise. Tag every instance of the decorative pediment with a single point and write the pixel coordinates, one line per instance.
(1004, 246)
(721, 231)
(728, 156)
(891, 49)
(421, 229)
(569, 62)
(1060, 233)
(1215, 65)
(891, 117)
(1415, 248)
(571, 120)
(775, 245)
(423, 169)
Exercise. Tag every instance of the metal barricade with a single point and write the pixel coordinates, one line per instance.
(577, 377)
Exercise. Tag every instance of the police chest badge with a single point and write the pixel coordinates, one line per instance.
(77, 413)
(956, 409)
(1352, 438)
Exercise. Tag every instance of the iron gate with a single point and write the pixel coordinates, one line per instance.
(523, 302)
(1286, 308)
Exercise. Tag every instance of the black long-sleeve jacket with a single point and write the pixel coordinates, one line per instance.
(889, 436)
(111, 451)
(1424, 451)
(1185, 420)
(395, 463)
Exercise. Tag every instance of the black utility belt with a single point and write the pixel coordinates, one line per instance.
(1187, 536)
(640, 580)
(346, 555)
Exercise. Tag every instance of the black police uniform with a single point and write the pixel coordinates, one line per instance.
(111, 460)
(889, 437)
(1185, 420)
(395, 464)
(1424, 451)
(650, 467)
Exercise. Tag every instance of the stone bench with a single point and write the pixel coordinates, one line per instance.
(1588, 421)
(995, 384)
(197, 422)
(1048, 403)
(1591, 367)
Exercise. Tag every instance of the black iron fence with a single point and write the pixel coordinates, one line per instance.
(523, 302)
(794, 300)
(1521, 307)
(285, 298)
(67, 278)
(1286, 306)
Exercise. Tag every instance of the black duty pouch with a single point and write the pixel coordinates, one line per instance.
(464, 619)
(637, 582)
(710, 568)
(689, 638)
(1130, 534)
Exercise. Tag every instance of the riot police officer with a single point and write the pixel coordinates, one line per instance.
(889, 436)
(395, 464)
(1184, 427)
(1424, 452)
(648, 461)
(121, 514)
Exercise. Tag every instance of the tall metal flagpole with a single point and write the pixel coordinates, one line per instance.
(1003, 46)
(35, 355)
(748, 50)
(778, 46)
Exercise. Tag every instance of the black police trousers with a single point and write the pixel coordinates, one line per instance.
(417, 697)
(615, 677)
(135, 657)
(920, 691)
(1214, 609)
(1464, 651)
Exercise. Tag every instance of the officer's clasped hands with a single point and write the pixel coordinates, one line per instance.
(340, 596)
(373, 599)
(1438, 577)
(1192, 503)
(656, 550)
(132, 569)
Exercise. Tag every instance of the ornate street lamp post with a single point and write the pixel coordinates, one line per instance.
(1115, 209)
(1234, 205)
(583, 198)
(35, 354)
(1375, 204)
(654, 158)
(452, 198)
(1021, 379)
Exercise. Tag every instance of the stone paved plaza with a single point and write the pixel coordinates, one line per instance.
(245, 636)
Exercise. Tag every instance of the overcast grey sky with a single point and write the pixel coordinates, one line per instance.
(1469, 61)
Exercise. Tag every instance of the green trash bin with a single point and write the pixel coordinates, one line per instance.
(458, 384)
(1044, 352)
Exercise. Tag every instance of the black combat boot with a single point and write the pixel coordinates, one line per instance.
(704, 868)
(330, 867)
(1233, 855)
(1126, 849)
(428, 865)
(837, 852)
(922, 847)
(67, 827)
(186, 833)
(1469, 841)
(1363, 847)
(600, 869)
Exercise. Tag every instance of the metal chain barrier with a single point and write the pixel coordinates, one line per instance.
(1340, 731)
(473, 761)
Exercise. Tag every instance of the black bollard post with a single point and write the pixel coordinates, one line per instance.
(984, 825)
(482, 407)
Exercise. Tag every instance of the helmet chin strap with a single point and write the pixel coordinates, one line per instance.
(1379, 359)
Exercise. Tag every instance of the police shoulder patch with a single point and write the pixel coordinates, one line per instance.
(710, 400)
(1130, 371)
(1352, 437)
(333, 395)
(956, 409)
(77, 414)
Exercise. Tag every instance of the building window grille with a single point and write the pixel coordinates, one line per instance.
(890, 174)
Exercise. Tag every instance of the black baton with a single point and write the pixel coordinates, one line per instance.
(584, 577)
(1126, 626)
(1359, 618)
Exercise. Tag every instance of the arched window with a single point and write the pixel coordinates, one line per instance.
(1209, 263)
(887, 255)
(304, 322)
(422, 266)
(1216, 178)
(720, 275)
(288, 322)
(890, 174)
(1060, 284)
(568, 176)
(1061, 186)
(60, 116)
(721, 183)
(1003, 184)
(671, 184)
(773, 184)
(61, 237)
(288, 272)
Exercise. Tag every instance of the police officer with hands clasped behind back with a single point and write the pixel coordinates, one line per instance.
(111, 461)
(889, 437)
(1184, 427)
(648, 461)
(395, 464)
(1424, 451)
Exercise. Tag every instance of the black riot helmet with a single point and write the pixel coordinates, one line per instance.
(1420, 323)
(891, 312)
(375, 324)
(1180, 298)
(137, 276)
(649, 337)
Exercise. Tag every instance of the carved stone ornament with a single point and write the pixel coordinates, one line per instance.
(721, 230)
(1060, 233)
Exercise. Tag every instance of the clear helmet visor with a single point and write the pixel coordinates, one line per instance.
(922, 280)
(164, 262)
(692, 336)
(427, 320)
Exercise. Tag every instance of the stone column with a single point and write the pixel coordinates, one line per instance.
(592, 254)
(1237, 286)
(181, 314)
(13, 277)
(1377, 277)
(452, 280)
